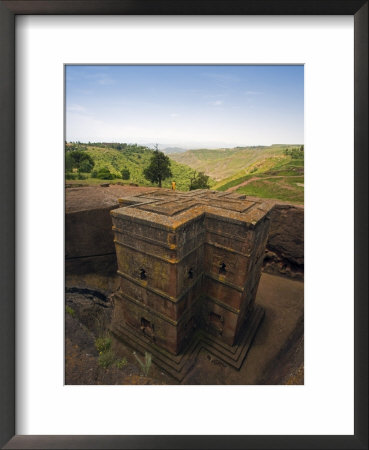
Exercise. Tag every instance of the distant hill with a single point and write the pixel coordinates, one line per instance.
(280, 177)
(276, 171)
(171, 150)
(224, 162)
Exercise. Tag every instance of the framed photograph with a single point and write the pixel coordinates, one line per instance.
(209, 137)
(197, 274)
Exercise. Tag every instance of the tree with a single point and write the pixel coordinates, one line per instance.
(126, 175)
(103, 173)
(199, 181)
(69, 162)
(86, 165)
(159, 168)
(79, 160)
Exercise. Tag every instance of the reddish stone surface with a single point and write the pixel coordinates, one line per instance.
(187, 261)
(89, 239)
(286, 236)
(89, 242)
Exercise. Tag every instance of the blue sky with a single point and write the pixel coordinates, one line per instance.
(186, 106)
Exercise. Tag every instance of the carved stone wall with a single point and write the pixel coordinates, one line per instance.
(187, 261)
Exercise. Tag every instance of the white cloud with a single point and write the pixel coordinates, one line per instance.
(105, 81)
(76, 108)
(217, 103)
(101, 78)
(174, 115)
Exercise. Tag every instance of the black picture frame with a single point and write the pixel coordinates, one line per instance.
(8, 11)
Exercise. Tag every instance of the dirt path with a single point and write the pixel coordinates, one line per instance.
(244, 183)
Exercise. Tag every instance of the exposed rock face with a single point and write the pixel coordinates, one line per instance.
(286, 235)
(92, 308)
(89, 245)
(285, 246)
(89, 240)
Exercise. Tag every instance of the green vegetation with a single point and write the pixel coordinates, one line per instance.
(280, 177)
(296, 153)
(199, 181)
(106, 354)
(275, 166)
(106, 359)
(273, 189)
(75, 176)
(146, 364)
(78, 160)
(120, 363)
(223, 163)
(276, 171)
(159, 168)
(103, 344)
(103, 174)
(70, 311)
(129, 157)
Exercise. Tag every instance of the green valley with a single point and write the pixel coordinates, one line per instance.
(122, 157)
(275, 171)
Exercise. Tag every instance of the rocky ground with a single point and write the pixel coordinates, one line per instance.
(276, 356)
(87, 317)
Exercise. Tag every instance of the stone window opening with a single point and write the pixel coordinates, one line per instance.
(143, 274)
(222, 268)
(147, 327)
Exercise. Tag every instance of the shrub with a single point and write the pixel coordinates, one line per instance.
(69, 162)
(70, 176)
(70, 311)
(126, 175)
(80, 160)
(199, 181)
(120, 363)
(104, 174)
(103, 344)
(106, 359)
(86, 165)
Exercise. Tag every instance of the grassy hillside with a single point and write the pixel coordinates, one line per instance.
(135, 159)
(271, 172)
(223, 163)
(280, 177)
